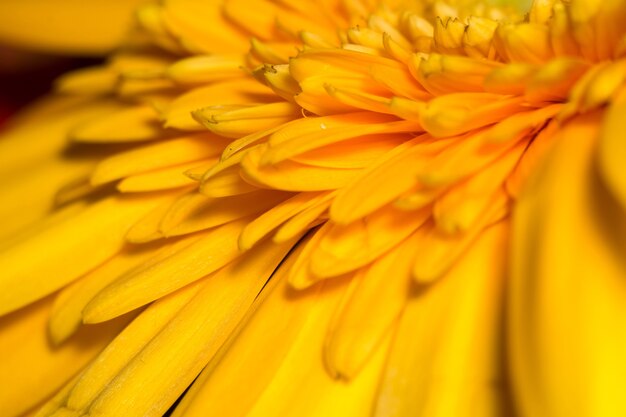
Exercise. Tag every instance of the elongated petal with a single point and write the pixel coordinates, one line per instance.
(33, 366)
(66, 315)
(132, 124)
(293, 176)
(162, 179)
(188, 19)
(394, 174)
(178, 112)
(345, 248)
(612, 150)
(66, 26)
(160, 155)
(281, 315)
(287, 332)
(186, 262)
(95, 378)
(241, 120)
(22, 206)
(161, 371)
(265, 223)
(194, 212)
(86, 240)
(447, 355)
(568, 295)
(369, 311)
(41, 130)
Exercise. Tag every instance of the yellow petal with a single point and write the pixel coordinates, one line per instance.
(344, 248)
(399, 81)
(271, 219)
(447, 354)
(94, 80)
(66, 26)
(554, 81)
(561, 33)
(315, 99)
(612, 151)
(395, 50)
(119, 353)
(194, 212)
(439, 250)
(278, 78)
(153, 19)
(66, 315)
(525, 42)
(302, 386)
(293, 176)
(148, 227)
(456, 113)
(354, 97)
(441, 74)
(596, 27)
(369, 311)
(364, 151)
(54, 402)
(305, 220)
(206, 69)
(342, 69)
(178, 112)
(384, 27)
(41, 130)
(567, 294)
(226, 183)
(260, 22)
(186, 262)
(33, 229)
(270, 53)
(67, 250)
(272, 328)
(394, 174)
(288, 333)
(460, 206)
(187, 20)
(22, 205)
(510, 79)
(161, 371)
(366, 37)
(604, 85)
(240, 120)
(512, 126)
(464, 156)
(478, 37)
(132, 124)
(159, 180)
(31, 366)
(448, 34)
(535, 153)
(324, 131)
(159, 155)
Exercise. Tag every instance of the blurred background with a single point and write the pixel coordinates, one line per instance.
(41, 39)
(26, 75)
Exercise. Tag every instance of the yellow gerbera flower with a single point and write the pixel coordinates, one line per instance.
(319, 208)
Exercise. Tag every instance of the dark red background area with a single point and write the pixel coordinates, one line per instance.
(24, 76)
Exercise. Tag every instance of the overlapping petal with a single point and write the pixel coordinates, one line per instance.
(375, 151)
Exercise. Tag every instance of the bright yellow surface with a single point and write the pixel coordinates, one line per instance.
(78, 27)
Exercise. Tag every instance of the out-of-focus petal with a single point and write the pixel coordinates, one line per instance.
(568, 287)
(73, 27)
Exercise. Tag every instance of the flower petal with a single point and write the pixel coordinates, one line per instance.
(446, 357)
(567, 312)
(66, 26)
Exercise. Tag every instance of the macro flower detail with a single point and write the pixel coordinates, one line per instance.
(339, 207)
